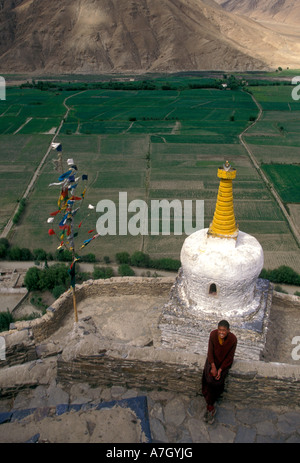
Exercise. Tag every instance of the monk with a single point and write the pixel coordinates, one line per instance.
(221, 349)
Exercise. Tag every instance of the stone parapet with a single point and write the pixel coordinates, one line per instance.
(46, 325)
(85, 356)
(286, 300)
(177, 371)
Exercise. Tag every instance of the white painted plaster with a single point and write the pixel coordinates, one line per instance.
(233, 265)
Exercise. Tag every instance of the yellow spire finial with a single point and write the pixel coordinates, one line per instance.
(224, 224)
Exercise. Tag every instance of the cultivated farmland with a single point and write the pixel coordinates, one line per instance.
(152, 144)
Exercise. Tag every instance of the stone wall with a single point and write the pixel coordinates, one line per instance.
(152, 368)
(45, 326)
(286, 300)
(143, 367)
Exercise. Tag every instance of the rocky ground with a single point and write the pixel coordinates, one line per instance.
(173, 418)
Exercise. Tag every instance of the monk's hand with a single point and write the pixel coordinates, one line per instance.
(218, 375)
(213, 370)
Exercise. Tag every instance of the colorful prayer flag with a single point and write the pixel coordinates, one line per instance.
(65, 175)
(56, 146)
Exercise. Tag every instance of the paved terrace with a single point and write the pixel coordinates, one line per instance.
(57, 404)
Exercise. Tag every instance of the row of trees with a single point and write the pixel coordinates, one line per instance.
(55, 278)
(282, 274)
(37, 279)
(20, 211)
(140, 259)
(231, 81)
(9, 252)
(134, 85)
(137, 259)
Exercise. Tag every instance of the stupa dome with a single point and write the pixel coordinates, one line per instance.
(219, 275)
(221, 264)
(218, 279)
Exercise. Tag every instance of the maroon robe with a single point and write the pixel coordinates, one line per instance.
(222, 356)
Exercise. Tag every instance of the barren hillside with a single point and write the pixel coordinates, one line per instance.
(93, 36)
(282, 11)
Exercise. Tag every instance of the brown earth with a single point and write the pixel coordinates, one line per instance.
(280, 11)
(88, 36)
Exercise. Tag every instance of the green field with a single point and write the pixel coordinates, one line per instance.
(281, 175)
(276, 136)
(199, 116)
(158, 144)
(275, 140)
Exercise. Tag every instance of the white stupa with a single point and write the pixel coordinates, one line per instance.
(218, 279)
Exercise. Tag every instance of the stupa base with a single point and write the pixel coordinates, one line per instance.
(183, 326)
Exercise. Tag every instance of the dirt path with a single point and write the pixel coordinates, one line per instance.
(23, 125)
(9, 224)
(268, 184)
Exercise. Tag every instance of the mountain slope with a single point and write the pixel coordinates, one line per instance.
(282, 11)
(92, 36)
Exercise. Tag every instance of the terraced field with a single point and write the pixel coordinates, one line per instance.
(274, 141)
(158, 144)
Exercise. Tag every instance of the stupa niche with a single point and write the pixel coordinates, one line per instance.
(218, 279)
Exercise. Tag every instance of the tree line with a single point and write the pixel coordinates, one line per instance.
(232, 82)
(15, 253)
(282, 274)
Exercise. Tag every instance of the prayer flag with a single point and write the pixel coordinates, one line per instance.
(51, 231)
(75, 210)
(56, 146)
(56, 184)
(65, 175)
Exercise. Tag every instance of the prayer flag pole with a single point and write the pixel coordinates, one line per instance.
(68, 182)
(74, 284)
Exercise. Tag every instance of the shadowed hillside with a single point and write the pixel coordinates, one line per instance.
(92, 36)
